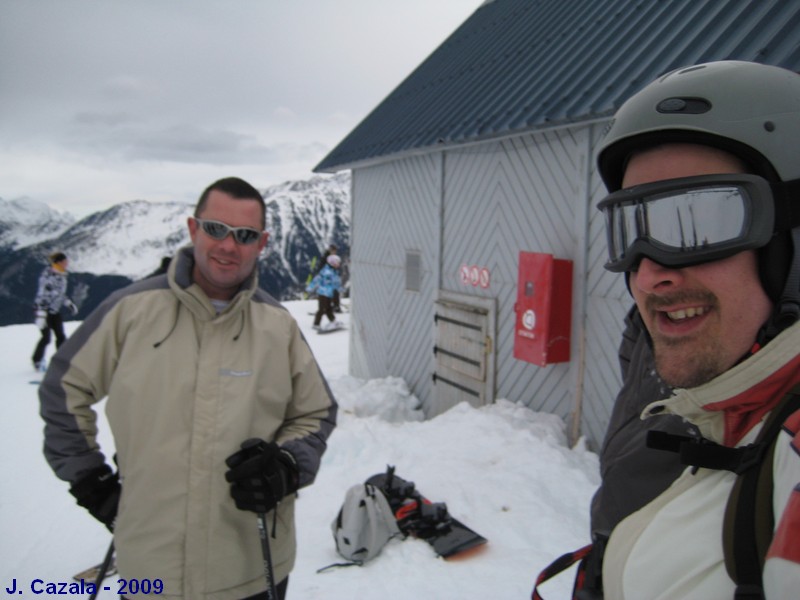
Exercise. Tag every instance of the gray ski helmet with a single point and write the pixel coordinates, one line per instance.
(748, 109)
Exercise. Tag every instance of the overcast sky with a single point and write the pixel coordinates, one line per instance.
(106, 101)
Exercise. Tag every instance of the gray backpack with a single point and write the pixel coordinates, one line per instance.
(364, 525)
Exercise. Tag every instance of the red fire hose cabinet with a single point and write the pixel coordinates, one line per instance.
(543, 309)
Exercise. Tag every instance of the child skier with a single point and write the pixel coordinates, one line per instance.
(326, 283)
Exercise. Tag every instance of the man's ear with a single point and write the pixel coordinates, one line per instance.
(192, 224)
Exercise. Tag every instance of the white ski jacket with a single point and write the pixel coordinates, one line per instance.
(672, 547)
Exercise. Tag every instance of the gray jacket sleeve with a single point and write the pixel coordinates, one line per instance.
(70, 431)
(311, 415)
(633, 474)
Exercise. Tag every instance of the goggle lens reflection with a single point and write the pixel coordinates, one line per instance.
(687, 221)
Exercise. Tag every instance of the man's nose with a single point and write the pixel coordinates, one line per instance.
(652, 277)
(228, 241)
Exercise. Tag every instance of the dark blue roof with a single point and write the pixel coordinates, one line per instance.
(521, 65)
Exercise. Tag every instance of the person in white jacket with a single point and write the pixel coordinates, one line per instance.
(703, 218)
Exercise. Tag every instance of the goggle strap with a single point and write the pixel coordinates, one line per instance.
(791, 292)
(786, 195)
(787, 311)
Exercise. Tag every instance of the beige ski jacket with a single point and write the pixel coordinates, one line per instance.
(185, 387)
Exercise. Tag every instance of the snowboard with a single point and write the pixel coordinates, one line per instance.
(91, 573)
(429, 521)
(323, 331)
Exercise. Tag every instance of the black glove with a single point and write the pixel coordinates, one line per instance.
(98, 492)
(260, 474)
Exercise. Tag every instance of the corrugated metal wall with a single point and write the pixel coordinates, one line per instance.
(396, 208)
(606, 302)
(501, 198)
(533, 193)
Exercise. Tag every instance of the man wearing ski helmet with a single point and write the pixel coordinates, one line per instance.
(702, 167)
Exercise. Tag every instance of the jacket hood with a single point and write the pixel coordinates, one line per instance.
(730, 405)
(191, 296)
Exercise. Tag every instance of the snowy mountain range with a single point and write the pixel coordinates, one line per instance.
(128, 241)
(24, 222)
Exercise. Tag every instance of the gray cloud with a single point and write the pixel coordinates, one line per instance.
(192, 144)
(104, 119)
(94, 95)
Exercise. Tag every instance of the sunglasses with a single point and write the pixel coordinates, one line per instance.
(219, 231)
(687, 221)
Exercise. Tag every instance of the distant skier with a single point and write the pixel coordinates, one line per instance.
(335, 299)
(50, 297)
(326, 283)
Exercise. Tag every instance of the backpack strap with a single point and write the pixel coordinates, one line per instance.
(700, 452)
(749, 520)
(749, 517)
(562, 563)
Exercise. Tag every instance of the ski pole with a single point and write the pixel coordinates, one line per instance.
(101, 574)
(254, 445)
(272, 593)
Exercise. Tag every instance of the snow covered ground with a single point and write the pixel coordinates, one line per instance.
(504, 470)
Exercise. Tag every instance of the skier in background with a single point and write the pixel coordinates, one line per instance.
(335, 299)
(50, 297)
(326, 283)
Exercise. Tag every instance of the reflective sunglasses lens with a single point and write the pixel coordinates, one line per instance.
(245, 235)
(214, 229)
(219, 231)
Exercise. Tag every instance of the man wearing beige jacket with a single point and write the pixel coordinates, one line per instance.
(193, 363)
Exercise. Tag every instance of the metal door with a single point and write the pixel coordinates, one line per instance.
(464, 365)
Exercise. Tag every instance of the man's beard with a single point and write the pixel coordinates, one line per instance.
(690, 361)
(691, 369)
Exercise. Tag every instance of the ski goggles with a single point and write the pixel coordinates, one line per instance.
(219, 231)
(687, 221)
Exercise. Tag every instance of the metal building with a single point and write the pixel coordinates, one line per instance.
(486, 150)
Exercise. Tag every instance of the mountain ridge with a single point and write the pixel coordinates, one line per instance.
(128, 241)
